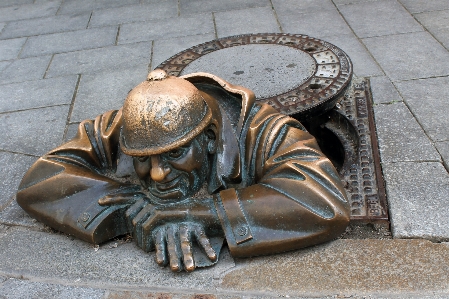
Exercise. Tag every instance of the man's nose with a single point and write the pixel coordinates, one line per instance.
(158, 171)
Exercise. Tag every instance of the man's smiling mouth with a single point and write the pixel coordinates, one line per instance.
(167, 185)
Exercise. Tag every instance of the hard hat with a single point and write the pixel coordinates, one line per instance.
(161, 114)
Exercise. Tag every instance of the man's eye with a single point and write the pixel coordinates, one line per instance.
(176, 153)
(142, 159)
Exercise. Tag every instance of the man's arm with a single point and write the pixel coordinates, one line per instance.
(297, 198)
(63, 187)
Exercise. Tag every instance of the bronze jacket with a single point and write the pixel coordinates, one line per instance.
(278, 191)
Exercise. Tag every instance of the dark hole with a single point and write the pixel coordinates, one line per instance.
(310, 49)
(315, 86)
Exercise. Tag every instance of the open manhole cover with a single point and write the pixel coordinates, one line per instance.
(310, 80)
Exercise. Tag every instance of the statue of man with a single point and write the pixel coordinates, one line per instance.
(186, 160)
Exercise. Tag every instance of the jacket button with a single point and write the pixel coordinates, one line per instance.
(242, 231)
(85, 217)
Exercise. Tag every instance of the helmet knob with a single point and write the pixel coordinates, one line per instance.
(157, 75)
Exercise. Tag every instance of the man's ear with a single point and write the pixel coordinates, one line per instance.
(211, 134)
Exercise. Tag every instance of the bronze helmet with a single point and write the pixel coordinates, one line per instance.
(161, 114)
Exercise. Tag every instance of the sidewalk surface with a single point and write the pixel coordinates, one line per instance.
(63, 61)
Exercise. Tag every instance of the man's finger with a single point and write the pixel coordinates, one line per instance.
(132, 211)
(186, 248)
(203, 240)
(161, 252)
(172, 247)
(137, 224)
(118, 199)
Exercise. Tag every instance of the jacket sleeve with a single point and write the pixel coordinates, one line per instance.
(62, 188)
(297, 198)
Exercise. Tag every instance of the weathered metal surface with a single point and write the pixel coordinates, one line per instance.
(312, 96)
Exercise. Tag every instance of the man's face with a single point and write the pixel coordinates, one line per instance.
(177, 174)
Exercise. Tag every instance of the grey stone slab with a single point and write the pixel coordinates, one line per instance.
(69, 41)
(81, 6)
(133, 13)
(4, 65)
(29, 11)
(409, 56)
(428, 99)
(39, 93)
(197, 6)
(2, 25)
(384, 91)
(14, 215)
(250, 20)
(442, 36)
(72, 129)
(179, 27)
(165, 48)
(301, 6)
(362, 62)
(5, 3)
(17, 289)
(415, 6)
(383, 17)
(266, 69)
(10, 48)
(101, 59)
(47, 25)
(98, 93)
(443, 149)
(13, 167)
(434, 20)
(116, 264)
(344, 2)
(316, 24)
(346, 269)
(34, 131)
(417, 198)
(26, 69)
(400, 136)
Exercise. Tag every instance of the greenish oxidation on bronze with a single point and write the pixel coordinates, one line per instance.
(185, 164)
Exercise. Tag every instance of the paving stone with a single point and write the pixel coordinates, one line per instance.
(13, 167)
(301, 6)
(442, 36)
(69, 41)
(344, 2)
(40, 26)
(316, 24)
(80, 6)
(72, 129)
(443, 149)
(25, 69)
(428, 99)
(40, 93)
(197, 6)
(415, 6)
(409, 56)
(417, 198)
(5, 3)
(243, 21)
(165, 48)
(114, 264)
(400, 136)
(4, 65)
(17, 289)
(346, 269)
(29, 11)
(101, 59)
(434, 20)
(134, 13)
(9, 49)
(362, 62)
(179, 27)
(34, 131)
(14, 215)
(2, 25)
(384, 91)
(385, 17)
(99, 93)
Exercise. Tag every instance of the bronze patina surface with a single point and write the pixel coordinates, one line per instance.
(186, 163)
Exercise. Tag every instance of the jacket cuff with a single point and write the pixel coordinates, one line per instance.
(233, 220)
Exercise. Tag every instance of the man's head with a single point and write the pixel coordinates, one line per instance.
(168, 128)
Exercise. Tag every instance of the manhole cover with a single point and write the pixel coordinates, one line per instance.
(310, 80)
(296, 74)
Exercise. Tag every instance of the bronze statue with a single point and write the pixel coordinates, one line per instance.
(185, 163)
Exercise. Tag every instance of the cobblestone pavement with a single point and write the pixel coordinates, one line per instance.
(62, 61)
